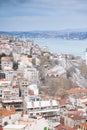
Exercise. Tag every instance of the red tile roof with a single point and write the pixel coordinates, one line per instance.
(5, 112)
(15, 86)
(77, 90)
(84, 125)
(75, 117)
(63, 101)
(61, 127)
(6, 58)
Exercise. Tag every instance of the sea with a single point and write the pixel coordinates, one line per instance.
(56, 45)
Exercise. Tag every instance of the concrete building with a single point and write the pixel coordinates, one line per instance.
(72, 120)
(5, 83)
(8, 74)
(31, 74)
(57, 71)
(22, 121)
(15, 127)
(82, 126)
(6, 63)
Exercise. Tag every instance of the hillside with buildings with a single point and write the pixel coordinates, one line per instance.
(62, 72)
(54, 73)
(39, 89)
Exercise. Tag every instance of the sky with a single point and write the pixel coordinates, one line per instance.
(30, 15)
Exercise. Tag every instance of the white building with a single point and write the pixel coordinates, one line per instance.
(14, 127)
(33, 90)
(16, 55)
(6, 63)
(24, 62)
(44, 49)
(23, 122)
(8, 74)
(10, 93)
(5, 83)
(23, 86)
(31, 74)
(56, 71)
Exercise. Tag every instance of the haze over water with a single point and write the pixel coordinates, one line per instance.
(56, 45)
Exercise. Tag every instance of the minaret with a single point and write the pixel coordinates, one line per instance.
(86, 56)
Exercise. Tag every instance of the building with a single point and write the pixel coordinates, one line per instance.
(82, 126)
(6, 63)
(72, 120)
(5, 83)
(15, 127)
(16, 56)
(62, 127)
(24, 62)
(18, 103)
(44, 49)
(8, 74)
(31, 74)
(24, 122)
(23, 86)
(36, 50)
(2, 75)
(57, 71)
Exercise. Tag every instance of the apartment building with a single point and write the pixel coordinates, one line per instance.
(31, 74)
(6, 63)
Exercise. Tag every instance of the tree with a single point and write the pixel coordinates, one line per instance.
(2, 55)
(15, 65)
(5, 123)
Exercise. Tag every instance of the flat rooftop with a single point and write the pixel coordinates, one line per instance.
(13, 127)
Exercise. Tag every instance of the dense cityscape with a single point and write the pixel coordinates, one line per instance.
(43, 64)
(40, 90)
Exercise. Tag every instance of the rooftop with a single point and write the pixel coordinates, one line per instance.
(75, 117)
(6, 58)
(6, 112)
(77, 90)
(11, 126)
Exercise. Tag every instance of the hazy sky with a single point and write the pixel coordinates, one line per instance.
(26, 15)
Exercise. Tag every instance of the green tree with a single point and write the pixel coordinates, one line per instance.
(2, 55)
(15, 65)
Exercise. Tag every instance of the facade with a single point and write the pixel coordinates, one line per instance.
(5, 83)
(22, 121)
(57, 71)
(82, 126)
(16, 56)
(23, 86)
(2, 75)
(31, 74)
(8, 74)
(44, 49)
(18, 104)
(14, 127)
(6, 63)
(73, 120)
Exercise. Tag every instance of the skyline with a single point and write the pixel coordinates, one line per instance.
(30, 15)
